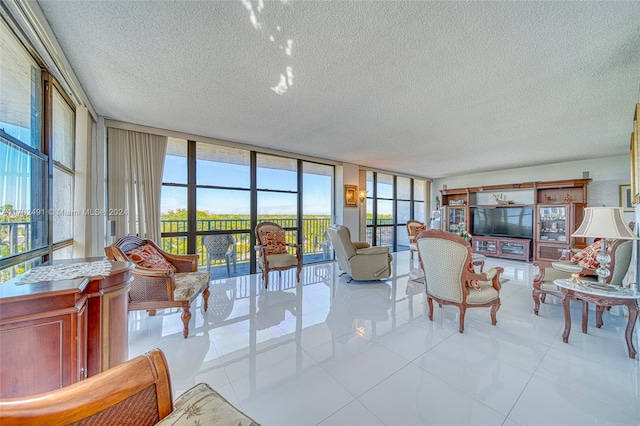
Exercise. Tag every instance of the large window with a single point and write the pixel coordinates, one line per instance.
(391, 202)
(213, 196)
(36, 164)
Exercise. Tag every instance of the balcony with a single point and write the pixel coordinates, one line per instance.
(315, 245)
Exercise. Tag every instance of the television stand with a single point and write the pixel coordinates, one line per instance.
(504, 247)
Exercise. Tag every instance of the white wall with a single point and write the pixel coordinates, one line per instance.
(607, 175)
(347, 216)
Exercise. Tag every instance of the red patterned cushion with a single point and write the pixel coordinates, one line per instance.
(146, 256)
(587, 257)
(273, 242)
(415, 230)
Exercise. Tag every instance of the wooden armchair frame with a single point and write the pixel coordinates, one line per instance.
(136, 392)
(539, 294)
(263, 259)
(412, 225)
(467, 276)
(153, 289)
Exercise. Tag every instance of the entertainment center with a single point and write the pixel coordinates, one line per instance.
(519, 221)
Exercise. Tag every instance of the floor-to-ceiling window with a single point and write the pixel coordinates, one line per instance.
(37, 146)
(391, 202)
(213, 196)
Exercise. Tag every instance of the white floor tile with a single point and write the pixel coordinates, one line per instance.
(414, 396)
(354, 414)
(545, 402)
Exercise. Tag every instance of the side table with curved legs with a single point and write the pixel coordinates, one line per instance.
(590, 292)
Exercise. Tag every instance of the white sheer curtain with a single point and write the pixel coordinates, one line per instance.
(135, 164)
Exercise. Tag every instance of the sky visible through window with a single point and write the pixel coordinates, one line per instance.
(317, 189)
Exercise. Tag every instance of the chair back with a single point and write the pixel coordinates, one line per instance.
(271, 237)
(136, 392)
(217, 245)
(444, 258)
(343, 247)
(414, 227)
(118, 250)
(622, 251)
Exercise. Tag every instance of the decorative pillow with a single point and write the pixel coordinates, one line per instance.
(146, 256)
(587, 257)
(415, 230)
(273, 242)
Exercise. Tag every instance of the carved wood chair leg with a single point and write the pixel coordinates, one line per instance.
(494, 310)
(299, 271)
(430, 303)
(205, 297)
(463, 311)
(536, 302)
(186, 316)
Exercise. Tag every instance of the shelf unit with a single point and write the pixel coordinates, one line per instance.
(565, 198)
(508, 248)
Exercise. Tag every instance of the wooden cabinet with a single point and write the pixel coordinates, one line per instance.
(508, 248)
(55, 333)
(559, 210)
(554, 225)
(455, 204)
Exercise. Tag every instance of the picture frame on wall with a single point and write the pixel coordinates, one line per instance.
(350, 196)
(626, 199)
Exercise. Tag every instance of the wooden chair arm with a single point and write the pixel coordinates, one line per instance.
(152, 273)
(138, 390)
(495, 280)
(182, 262)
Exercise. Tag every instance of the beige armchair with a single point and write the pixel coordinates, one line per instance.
(548, 271)
(414, 227)
(273, 251)
(450, 277)
(358, 259)
(160, 279)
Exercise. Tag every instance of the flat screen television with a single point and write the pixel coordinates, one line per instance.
(515, 222)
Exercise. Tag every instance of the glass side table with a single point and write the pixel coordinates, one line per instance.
(601, 296)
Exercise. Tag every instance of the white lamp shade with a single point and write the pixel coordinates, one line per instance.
(604, 222)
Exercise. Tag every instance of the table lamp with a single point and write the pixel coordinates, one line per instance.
(604, 223)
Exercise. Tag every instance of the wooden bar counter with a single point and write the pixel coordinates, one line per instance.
(55, 333)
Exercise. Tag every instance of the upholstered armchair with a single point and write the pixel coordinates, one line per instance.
(357, 259)
(273, 251)
(450, 277)
(220, 247)
(137, 392)
(414, 227)
(548, 271)
(161, 280)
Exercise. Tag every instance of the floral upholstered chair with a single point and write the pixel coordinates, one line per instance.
(160, 279)
(273, 251)
(450, 277)
(580, 263)
(414, 227)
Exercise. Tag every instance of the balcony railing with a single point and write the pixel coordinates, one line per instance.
(314, 241)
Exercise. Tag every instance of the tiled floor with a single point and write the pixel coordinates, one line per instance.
(328, 352)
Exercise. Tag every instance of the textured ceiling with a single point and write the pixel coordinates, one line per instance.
(432, 89)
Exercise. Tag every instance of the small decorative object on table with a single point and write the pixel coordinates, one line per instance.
(576, 278)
